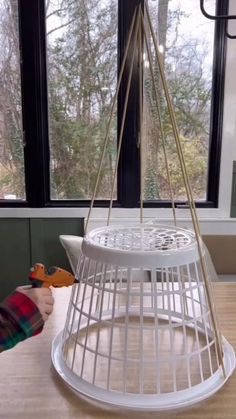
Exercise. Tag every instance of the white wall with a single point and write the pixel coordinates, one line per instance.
(212, 221)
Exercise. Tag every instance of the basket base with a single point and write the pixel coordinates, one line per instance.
(145, 402)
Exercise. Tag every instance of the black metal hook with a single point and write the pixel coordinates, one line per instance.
(218, 17)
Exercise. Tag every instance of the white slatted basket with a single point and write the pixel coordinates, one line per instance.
(139, 331)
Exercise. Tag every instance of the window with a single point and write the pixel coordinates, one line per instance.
(12, 182)
(187, 45)
(82, 70)
(71, 54)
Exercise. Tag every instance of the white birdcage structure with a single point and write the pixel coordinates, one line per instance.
(141, 329)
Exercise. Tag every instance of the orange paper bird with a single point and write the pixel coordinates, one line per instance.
(53, 276)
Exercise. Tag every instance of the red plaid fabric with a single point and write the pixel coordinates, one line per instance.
(19, 319)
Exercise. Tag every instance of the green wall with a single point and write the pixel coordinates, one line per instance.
(25, 241)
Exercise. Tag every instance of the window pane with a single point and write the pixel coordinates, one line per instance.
(82, 75)
(12, 182)
(186, 42)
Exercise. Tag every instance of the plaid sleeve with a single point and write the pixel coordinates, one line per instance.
(19, 319)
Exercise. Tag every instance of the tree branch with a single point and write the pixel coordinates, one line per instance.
(61, 26)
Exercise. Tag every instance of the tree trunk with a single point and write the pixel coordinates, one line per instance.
(162, 21)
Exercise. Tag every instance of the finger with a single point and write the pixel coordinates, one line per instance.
(49, 300)
(44, 314)
(45, 291)
(48, 303)
(48, 309)
(23, 287)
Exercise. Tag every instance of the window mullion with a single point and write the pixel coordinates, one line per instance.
(34, 97)
(217, 104)
(129, 167)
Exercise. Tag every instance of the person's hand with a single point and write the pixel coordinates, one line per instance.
(41, 297)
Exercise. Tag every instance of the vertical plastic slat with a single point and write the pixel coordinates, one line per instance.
(183, 303)
(204, 317)
(195, 324)
(157, 343)
(126, 332)
(163, 288)
(141, 376)
(110, 285)
(103, 281)
(79, 320)
(74, 289)
(88, 321)
(112, 329)
(173, 289)
(171, 330)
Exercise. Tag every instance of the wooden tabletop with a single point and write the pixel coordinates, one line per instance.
(31, 389)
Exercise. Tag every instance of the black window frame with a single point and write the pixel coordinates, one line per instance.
(33, 51)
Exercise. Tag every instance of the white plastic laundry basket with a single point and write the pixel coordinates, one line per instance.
(139, 331)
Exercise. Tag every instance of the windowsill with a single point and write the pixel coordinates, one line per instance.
(212, 220)
(227, 278)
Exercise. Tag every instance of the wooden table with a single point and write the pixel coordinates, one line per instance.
(30, 388)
